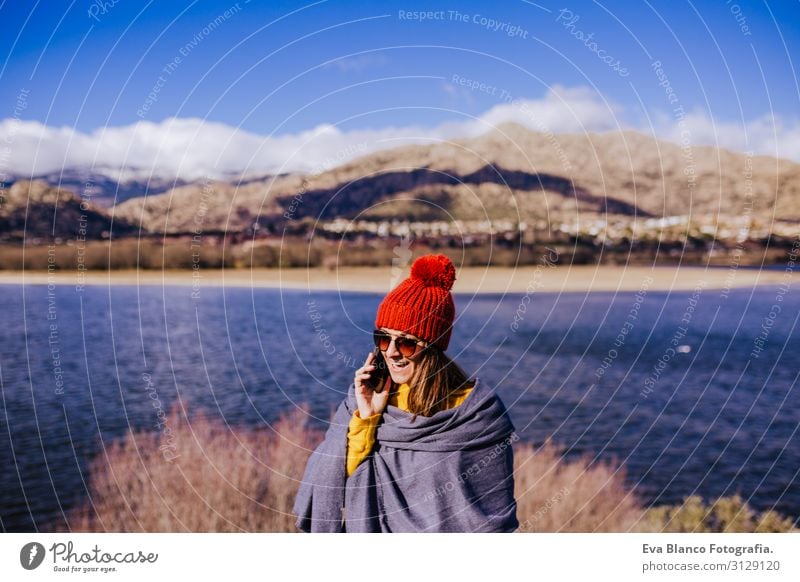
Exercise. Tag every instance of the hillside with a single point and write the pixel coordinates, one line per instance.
(510, 172)
(105, 186)
(34, 209)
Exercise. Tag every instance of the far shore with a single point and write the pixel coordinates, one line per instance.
(527, 279)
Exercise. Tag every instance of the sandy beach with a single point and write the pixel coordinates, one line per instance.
(541, 278)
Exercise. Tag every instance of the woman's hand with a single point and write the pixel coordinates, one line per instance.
(369, 401)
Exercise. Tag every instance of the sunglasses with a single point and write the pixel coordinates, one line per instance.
(406, 346)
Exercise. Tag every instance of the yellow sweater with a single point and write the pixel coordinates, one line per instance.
(361, 431)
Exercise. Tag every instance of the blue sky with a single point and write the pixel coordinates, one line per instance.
(87, 65)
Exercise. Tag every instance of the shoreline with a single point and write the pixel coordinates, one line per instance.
(527, 279)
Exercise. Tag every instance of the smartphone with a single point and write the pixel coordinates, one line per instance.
(377, 378)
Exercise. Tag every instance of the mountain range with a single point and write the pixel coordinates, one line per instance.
(508, 173)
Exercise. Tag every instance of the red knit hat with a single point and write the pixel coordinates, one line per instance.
(422, 305)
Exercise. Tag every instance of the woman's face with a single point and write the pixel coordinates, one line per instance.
(400, 368)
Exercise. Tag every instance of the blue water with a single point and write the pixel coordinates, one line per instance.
(713, 421)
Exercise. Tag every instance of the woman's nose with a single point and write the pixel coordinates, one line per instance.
(392, 352)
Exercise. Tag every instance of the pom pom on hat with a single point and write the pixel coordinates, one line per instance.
(434, 271)
(422, 305)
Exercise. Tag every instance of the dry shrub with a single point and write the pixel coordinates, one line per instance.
(226, 479)
(724, 515)
(11, 257)
(554, 495)
(263, 256)
(201, 476)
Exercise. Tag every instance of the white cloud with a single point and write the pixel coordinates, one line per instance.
(768, 135)
(561, 110)
(191, 148)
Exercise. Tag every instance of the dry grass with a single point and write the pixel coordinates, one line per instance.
(554, 495)
(204, 476)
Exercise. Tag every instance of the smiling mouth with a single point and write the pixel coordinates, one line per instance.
(398, 365)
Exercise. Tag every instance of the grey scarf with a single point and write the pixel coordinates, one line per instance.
(450, 472)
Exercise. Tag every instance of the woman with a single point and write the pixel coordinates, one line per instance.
(430, 451)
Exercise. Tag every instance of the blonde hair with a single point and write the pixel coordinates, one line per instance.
(435, 380)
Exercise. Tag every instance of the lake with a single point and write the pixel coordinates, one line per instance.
(694, 391)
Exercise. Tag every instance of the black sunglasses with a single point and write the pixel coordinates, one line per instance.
(406, 346)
